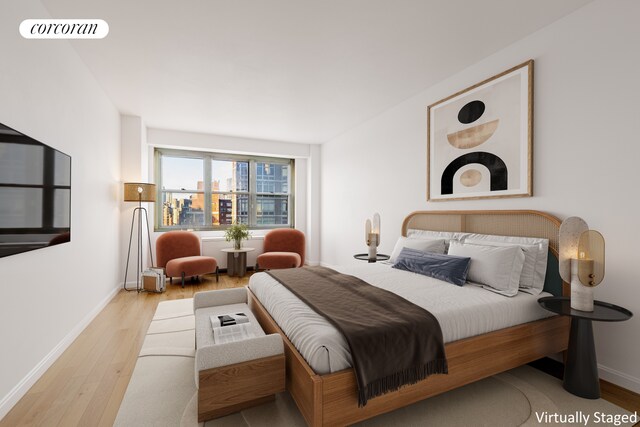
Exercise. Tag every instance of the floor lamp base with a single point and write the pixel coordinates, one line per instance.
(139, 210)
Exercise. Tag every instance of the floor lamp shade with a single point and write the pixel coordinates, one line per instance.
(139, 192)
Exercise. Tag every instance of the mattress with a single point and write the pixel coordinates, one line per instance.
(461, 311)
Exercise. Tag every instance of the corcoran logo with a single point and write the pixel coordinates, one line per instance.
(64, 29)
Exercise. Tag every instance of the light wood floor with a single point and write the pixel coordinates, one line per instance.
(85, 386)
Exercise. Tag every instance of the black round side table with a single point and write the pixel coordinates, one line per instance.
(365, 257)
(581, 367)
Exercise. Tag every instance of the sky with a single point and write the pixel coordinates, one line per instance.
(182, 172)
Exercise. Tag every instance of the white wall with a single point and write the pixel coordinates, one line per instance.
(586, 154)
(313, 205)
(213, 246)
(225, 144)
(134, 161)
(49, 295)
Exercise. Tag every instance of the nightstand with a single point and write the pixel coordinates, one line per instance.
(581, 367)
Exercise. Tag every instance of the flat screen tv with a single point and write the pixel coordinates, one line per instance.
(35, 194)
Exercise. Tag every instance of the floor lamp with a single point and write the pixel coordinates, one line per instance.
(138, 192)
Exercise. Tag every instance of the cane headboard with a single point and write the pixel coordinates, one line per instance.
(524, 223)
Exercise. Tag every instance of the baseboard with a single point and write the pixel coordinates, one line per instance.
(225, 270)
(553, 366)
(34, 375)
(324, 264)
(619, 378)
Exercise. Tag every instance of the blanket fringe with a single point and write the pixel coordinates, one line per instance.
(395, 381)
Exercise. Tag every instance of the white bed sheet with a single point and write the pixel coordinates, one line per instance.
(461, 311)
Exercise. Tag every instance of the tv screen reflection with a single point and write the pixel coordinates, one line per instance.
(35, 194)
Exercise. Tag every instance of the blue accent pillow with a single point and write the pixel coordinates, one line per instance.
(450, 268)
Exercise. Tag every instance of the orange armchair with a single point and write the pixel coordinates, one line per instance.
(178, 252)
(283, 248)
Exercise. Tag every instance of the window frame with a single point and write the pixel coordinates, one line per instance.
(47, 185)
(207, 157)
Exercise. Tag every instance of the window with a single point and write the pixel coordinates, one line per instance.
(35, 185)
(210, 191)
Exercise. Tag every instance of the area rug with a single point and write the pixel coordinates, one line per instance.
(162, 392)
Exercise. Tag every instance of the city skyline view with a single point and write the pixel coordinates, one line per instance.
(183, 193)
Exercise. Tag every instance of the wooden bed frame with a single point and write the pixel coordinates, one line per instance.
(331, 399)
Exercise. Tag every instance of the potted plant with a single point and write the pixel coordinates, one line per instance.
(237, 233)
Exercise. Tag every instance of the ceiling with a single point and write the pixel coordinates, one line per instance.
(290, 70)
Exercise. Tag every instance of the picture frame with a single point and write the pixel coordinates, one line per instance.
(480, 139)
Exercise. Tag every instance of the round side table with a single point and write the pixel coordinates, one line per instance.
(365, 257)
(581, 367)
(237, 261)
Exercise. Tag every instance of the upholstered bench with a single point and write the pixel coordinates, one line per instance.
(236, 375)
(191, 265)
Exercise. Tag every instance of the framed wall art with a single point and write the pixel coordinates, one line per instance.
(480, 140)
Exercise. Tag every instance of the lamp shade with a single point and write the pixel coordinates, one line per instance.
(591, 258)
(139, 192)
(569, 239)
(375, 226)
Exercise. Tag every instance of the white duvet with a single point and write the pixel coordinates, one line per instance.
(461, 311)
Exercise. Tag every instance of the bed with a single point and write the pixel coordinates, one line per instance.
(505, 332)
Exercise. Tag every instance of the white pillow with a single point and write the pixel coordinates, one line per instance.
(425, 245)
(535, 250)
(448, 236)
(530, 255)
(496, 268)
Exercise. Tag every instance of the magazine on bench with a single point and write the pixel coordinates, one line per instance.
(228, 319)
(231, 327)
(233, 333)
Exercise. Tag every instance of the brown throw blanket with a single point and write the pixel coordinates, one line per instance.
(393, 342)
